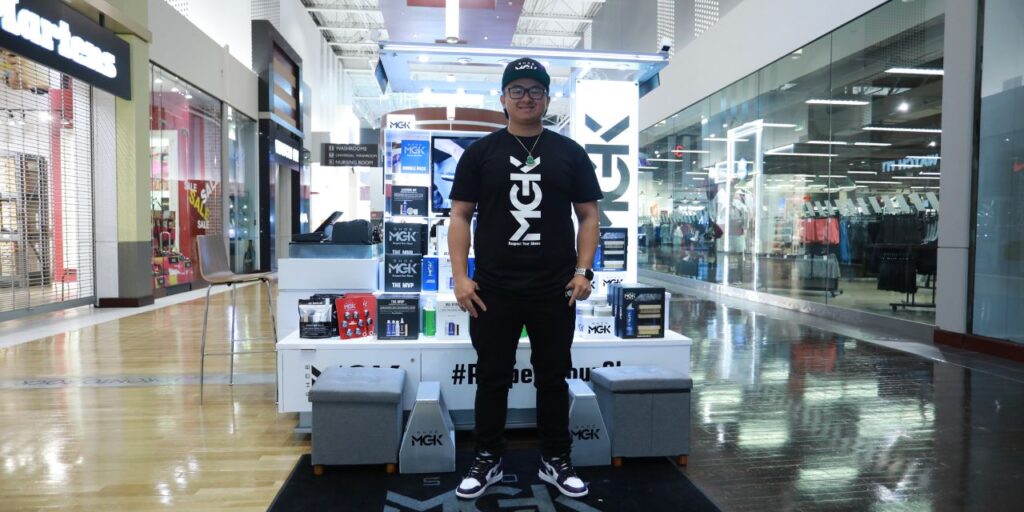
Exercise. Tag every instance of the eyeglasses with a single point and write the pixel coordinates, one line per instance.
(517, 92)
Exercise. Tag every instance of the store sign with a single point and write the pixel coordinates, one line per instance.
(910, 163)
(608, 131)
(401, 122)
(350, 155)
(282, 149)
(57, 36)
(199, 194)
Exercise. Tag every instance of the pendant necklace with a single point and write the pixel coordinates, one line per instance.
(529, 152)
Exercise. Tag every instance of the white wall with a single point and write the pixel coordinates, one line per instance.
(750, 36)
(321, 69)
(228, 23)
(183, 49)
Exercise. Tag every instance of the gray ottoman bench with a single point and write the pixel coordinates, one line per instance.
(357, 417)
(646, 410)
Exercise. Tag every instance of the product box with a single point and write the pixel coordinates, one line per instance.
(402, 273)
(639, 311)
(446, 278)
(595, 327)
(430, 274)
(357, 315)
(407, 200)
(405, 238)
(441, 250)
(612, 250)
(452, 321)
(603, 280)
(398, 317)
(316, 319)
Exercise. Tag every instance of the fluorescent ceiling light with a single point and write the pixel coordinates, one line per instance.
(663, 160)
(717, 139)
(647, 167)
(929, 157)
(915, 178)
(902, 130)
(828, 142)
(861, 172)
(878, 182)
(779, 125)
(820, 155)
(694, 173)
(838, 102)
(873, 144)
(916, 71)
(644, 58)
(930, 173)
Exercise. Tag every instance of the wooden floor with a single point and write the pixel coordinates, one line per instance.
(71, 438)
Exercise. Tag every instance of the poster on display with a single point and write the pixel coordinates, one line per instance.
(407, 152)
(408, 200)
(445, 154)
(608, 131)
(405, 238)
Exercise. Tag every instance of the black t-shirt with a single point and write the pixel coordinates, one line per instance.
(525, 241)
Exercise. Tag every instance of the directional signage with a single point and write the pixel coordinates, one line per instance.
(350, 155)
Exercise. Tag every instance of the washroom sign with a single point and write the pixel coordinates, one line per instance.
(609, 130)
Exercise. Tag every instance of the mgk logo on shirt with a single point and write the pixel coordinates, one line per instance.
(525, 187)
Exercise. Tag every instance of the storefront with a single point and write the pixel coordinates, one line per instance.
(998, 259)
(815, 178)
(284, 190)
(46, 145)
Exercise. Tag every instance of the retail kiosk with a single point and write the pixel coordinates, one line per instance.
(603, 90)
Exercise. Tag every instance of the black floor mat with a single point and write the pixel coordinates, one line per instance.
(641, 485)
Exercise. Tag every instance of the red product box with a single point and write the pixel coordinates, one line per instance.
(357, 315)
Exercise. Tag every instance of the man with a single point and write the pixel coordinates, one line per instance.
(525, 181)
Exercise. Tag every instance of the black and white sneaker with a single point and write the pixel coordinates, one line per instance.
(558, 471)
(484, 471)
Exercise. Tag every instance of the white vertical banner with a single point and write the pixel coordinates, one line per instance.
(605, 121)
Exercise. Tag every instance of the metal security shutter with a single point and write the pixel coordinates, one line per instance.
(46, 195)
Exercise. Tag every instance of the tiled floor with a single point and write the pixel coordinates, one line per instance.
(788, 417)
(790, 412)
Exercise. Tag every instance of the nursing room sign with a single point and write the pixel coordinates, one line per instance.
(605, 122)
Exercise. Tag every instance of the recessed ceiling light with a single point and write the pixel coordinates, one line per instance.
(905, 130)
(904, 107)
(464, 60)
(157, 81)
(175, 89)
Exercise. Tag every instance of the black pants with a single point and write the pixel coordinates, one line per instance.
(550, 323)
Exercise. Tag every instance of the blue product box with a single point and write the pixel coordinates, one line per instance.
(430, 270)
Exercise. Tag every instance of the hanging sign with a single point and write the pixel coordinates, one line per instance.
(55, 35)
(350, 155)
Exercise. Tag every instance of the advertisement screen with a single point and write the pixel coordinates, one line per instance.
(445, 153)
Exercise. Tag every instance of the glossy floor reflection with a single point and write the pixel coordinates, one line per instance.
(787, 417)
(854, 290)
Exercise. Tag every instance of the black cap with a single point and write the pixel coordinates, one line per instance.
(525, 68)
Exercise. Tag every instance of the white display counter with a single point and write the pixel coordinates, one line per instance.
(453, 362)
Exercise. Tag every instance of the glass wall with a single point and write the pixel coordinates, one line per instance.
(999, 243)
(243, 192)
(186, 196)
(814, 178)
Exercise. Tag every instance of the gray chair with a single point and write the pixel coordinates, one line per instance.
(214, 268)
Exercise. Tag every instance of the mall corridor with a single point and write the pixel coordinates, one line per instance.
(107, 417)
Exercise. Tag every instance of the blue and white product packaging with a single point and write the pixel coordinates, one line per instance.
(429, 282)
(639, 311)
(400, 316)
(452, 321)
(612, 250)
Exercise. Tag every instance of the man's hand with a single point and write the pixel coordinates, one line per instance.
(465, 293)
(580, 287)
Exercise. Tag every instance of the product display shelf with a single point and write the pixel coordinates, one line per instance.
(452, 363)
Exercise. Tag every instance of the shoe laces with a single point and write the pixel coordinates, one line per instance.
(482, 463)
(563, 465)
